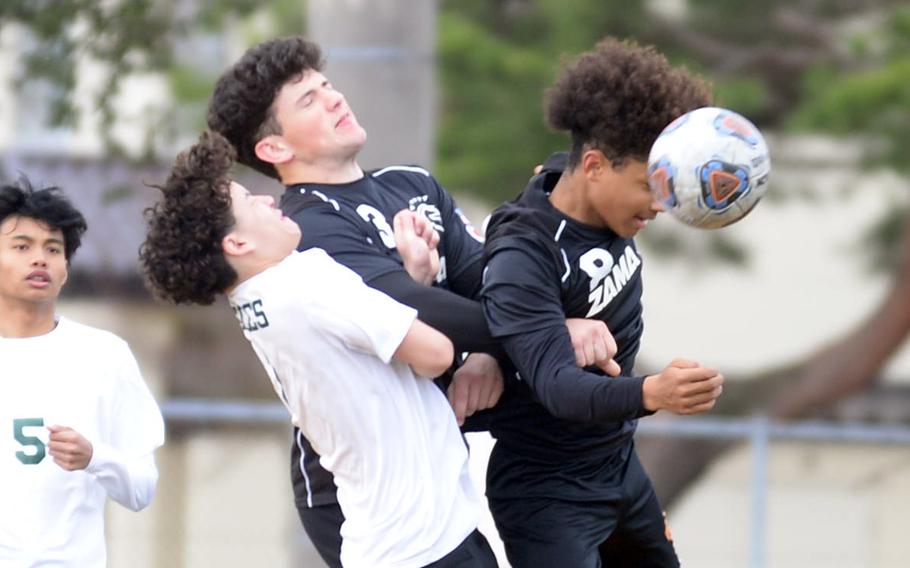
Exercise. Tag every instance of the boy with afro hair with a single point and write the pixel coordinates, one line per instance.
(564, 483)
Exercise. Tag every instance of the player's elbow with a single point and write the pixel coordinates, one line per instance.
(142, 493)
(562, 402)
(437, 357)
(426, 350)
(564, 411)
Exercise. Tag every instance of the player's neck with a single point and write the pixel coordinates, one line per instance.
(26, 319)
(249, 266)
(327, 172)
(570, 197)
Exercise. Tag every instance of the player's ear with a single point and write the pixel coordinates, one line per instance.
(273, 149)
(233, 244)
(593, 163)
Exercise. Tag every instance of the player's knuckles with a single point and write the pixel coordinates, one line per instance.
(579, 358)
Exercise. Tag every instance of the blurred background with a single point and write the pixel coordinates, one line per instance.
(804, 305)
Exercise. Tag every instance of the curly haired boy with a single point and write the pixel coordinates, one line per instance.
(564, 483)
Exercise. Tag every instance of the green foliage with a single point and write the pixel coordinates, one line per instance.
(128, 36)
(826, 66)
(496, 61)
(869, 101)
(131, 35)
(490, 136)
(748, 95)
(882, 240)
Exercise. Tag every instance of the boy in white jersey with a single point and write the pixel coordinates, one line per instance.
(84, 424)
(343, 358)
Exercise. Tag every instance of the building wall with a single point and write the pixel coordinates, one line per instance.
(828, 506)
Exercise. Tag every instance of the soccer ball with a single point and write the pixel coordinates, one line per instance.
(709, 167)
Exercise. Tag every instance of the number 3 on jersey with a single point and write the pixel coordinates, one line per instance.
(24, 456)
(372, 215)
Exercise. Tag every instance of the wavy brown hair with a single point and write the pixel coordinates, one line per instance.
(182, 257)
(242, 105)
(617, 99)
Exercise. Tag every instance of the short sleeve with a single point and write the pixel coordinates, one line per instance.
(363, 318)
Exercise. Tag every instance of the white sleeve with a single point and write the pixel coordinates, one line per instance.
(365, 319)
(130, 481)
(123, 459)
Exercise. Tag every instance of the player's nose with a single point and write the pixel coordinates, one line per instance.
(334, 99)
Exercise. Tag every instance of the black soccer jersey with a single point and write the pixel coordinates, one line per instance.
(541, 268)
(352, 222)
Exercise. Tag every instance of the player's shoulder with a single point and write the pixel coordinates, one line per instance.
(298, 278)
(405, 177)
(524, 231)
(316, 264)
(520, 220)
(298, 201)
(402, 171)
(93, 344)
(89, 335)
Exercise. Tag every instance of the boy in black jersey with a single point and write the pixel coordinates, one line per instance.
(286, 120)
(564, 483)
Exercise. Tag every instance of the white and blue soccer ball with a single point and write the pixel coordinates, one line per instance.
(709, 167)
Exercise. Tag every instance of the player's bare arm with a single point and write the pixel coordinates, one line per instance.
(427, 351)
(476, 385)
(70, 449)
(682, 387)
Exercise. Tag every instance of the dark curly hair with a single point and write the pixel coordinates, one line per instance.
(47, 205)
(242, 105)
(182, 256)
(619, 97)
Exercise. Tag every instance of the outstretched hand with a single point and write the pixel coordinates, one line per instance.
(69, 448)
(683, 387)
(416, 241)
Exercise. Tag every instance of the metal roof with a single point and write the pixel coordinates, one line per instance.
(112, 195)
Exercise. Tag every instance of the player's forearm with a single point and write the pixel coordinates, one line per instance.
(546, 362)
(459, 319)
(428, 352)
(128, 480)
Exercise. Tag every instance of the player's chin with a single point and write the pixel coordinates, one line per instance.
(631, 229)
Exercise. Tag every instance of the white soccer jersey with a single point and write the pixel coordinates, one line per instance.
(389, 438)
(88, 380)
